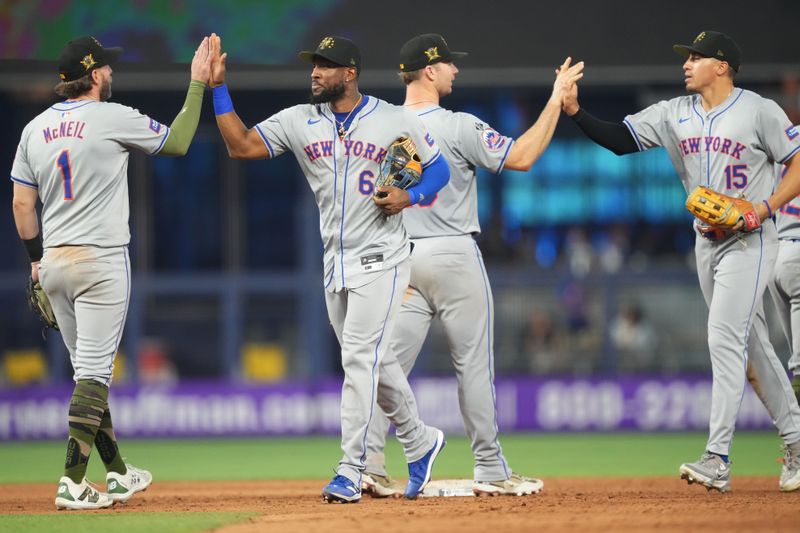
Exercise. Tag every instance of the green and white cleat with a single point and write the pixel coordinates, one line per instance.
(80, 496)
(122, 486)
(516, 485)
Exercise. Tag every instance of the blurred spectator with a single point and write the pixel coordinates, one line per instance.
(579, 252)
(584, 338)
(634, 338)
(155, 366)
(544, 346)
(613, 248)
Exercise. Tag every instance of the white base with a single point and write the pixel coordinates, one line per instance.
(448, 488)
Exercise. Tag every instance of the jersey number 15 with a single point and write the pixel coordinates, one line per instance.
(735, 178)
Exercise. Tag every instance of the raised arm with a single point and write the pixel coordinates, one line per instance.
(531, 144)
(611, 135)
(184, 126)
(242, 142)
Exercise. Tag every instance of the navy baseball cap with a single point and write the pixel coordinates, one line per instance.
(713, 44)
(337, 50)
(426, 49)
(82, 55)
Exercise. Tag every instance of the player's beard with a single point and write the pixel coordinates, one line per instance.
(328, 95)
(105, 91)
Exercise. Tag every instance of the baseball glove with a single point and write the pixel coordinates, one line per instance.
(40, 304)
(720, 211)
(401, 167)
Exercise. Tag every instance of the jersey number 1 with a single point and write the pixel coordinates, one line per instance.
(66, 172)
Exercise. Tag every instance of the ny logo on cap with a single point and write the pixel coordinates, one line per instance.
(432, 53)
(700, 37)
(327, 42)
(88, 62)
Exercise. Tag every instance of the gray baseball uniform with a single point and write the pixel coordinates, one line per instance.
(76, 154)
(731, 148)
(448, 280)
(366, 259)
(785, 284)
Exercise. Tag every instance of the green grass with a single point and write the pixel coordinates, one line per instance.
(545, 455)
(161, 522)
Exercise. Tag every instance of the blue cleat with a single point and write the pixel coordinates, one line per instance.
(419, 472)
(341, 490)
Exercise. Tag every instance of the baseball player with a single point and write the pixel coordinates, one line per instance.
(784, 287)
(728, 139)
(74, 157)
(339, 140)
(448, 277)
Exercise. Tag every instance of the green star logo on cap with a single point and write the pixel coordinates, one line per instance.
(327, 42)
(432, 53)
(88, 62)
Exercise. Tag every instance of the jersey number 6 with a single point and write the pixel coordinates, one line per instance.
(66, 172)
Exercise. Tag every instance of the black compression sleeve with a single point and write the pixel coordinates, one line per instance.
(614, 136)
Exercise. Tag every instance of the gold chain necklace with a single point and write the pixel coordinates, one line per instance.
(342, 131)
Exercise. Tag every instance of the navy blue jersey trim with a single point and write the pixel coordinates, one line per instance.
(503, 161)
(711, 125)
(633, 132)
(696, 112)
(782, 161)
(377, 102)
(80, 103)
(23, 182)
(164, 140)
(490, 355)
(430, 111)
(266, 141)
(432, 159)
(375, 368)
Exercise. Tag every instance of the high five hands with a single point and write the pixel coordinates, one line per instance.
(565, 88)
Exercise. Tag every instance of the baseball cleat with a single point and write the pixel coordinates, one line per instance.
(710, 471)
(121, 487)
(790, 472)
(379, 486)
(341, 490)
(419, 472)
(516, 485)
(80, 496)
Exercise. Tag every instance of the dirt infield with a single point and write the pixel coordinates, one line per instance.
(570, 504)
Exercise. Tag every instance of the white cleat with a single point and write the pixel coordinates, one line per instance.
(80, 496)
(121, 487)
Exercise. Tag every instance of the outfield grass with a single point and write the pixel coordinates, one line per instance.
(545, 455)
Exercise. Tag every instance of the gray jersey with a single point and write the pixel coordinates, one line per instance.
(359, 239)
(467, 143)
(788, 217)
(76, 154)
(731, 148)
